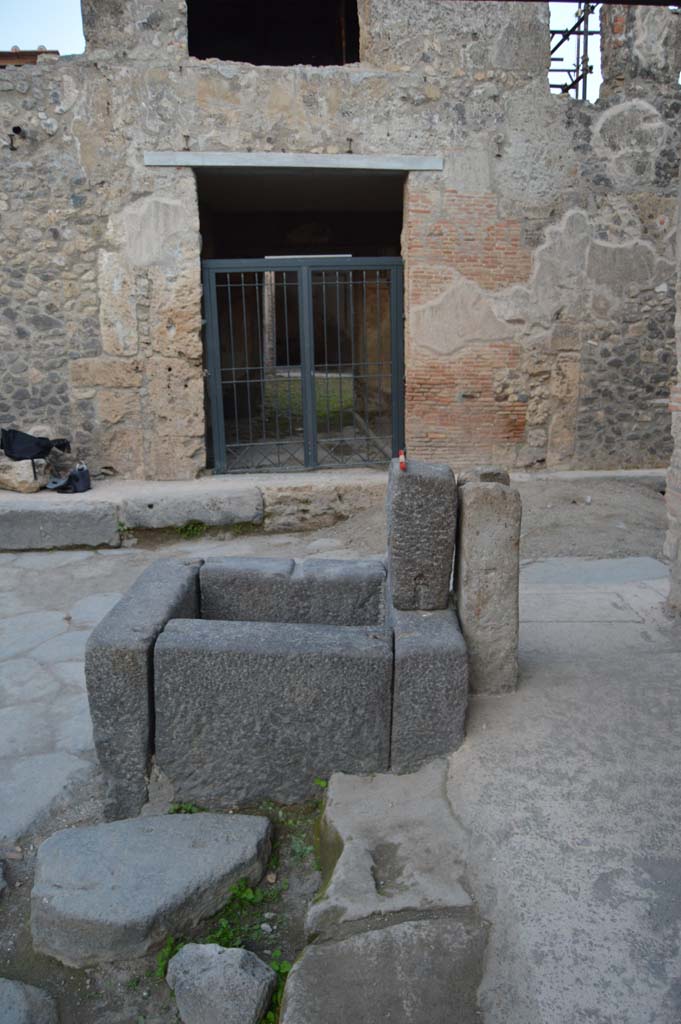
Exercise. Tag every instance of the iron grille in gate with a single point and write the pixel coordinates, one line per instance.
(304, 362)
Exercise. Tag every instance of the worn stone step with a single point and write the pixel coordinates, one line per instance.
(114, 891)
(392, 846)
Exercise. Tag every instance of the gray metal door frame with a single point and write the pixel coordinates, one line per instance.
(303, 268)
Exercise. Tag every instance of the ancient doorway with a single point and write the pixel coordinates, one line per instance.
(304, 361)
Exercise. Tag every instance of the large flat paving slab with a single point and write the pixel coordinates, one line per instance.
(420, 972)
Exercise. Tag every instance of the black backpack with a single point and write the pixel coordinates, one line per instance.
(19, 446)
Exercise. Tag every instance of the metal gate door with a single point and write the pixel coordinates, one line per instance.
(304, 359)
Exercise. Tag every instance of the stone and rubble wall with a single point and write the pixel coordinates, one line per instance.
(539, 265)
(673, 541)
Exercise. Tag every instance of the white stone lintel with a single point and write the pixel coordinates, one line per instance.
(294, 161)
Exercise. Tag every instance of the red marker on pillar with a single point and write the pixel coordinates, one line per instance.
(402, 460)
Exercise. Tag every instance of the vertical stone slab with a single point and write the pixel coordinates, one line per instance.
(248, 711)
(487, 569)
(119, 675)
(430, 687)
(421, 508)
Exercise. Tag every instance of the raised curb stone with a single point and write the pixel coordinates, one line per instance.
(214, 985)
(25, 1004)
(159, 511)
(57, 521)
(247, 711)
(487, 583)
(317, 590)
(421, 509)
(114, 891)
(119, 677)
(430, 688)
(420, 972)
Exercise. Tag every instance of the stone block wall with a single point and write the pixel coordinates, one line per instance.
(539, 265)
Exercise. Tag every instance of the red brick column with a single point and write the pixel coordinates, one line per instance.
(465, 400)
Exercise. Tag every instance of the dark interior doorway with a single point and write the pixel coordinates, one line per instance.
(303, 312)
(257, 213)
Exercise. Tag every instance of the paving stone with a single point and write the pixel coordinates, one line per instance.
(430, 687)
(70, 673)
(69, 646)
(92, 609)
(25, 681)
(43, 560)
(317, 590)
(25, 1004)
(32, 786)
(420, 972)
(26, 729)
(20, 633)
(114, 891)
(119, 674)
(487, 576)
(398, 849)
(72, 724)
(421, 509)
(247, 711)
(214, 985)
(56, 521)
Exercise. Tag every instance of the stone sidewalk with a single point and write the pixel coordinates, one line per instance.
(569, 793)
(101, 516)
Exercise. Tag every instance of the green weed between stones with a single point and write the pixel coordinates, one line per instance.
(191, 530)
(185, 809)
(248, 906)
(124, 531)
(168, 950)
(281, 968)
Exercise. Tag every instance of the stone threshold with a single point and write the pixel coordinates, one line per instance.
(104, 515)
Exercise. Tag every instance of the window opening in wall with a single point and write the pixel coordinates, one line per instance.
(316, 32)
(575, 50)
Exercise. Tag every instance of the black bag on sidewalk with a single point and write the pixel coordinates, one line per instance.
(76, 482)
(19, 446)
